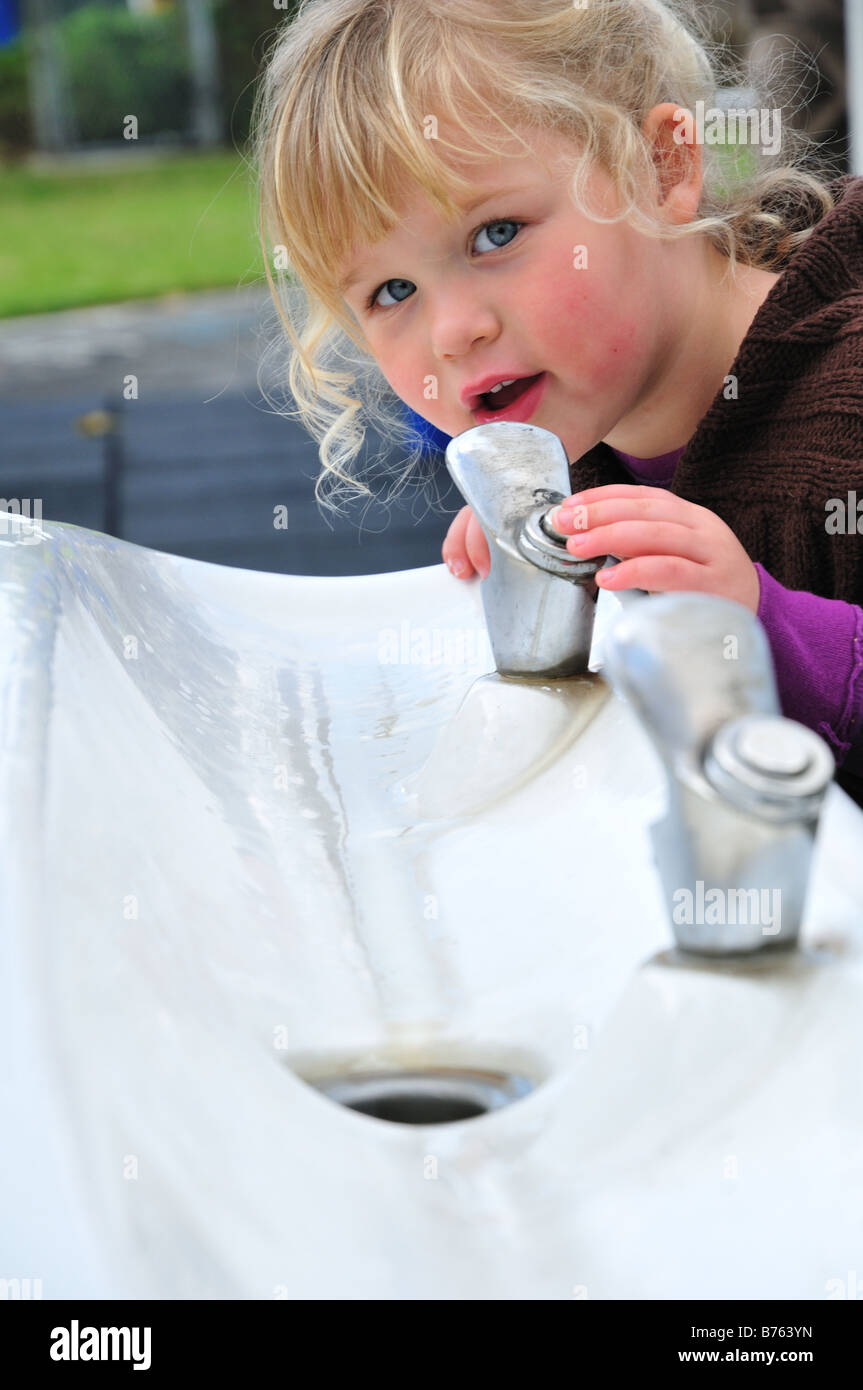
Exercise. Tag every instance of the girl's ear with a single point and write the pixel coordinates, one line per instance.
(671, 132)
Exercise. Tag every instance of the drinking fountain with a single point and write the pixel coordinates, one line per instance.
(330, 963)
(539, 600)
(746, 786)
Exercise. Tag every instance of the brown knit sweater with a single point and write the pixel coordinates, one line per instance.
(769, 461)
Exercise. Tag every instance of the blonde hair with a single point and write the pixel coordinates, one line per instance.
(340, 130)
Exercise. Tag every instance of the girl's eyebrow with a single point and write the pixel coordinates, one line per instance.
(350, 280)
(465, 211)
(492, 193)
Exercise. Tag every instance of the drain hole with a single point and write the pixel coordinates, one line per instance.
(418, 1110)
(431, 1097)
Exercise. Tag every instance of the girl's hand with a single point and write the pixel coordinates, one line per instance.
(466, 548)
(664, 543)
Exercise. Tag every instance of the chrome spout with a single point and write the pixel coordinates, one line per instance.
(512, 475)
(746, 786)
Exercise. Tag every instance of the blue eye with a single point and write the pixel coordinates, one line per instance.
(496, 228)
(373, 296)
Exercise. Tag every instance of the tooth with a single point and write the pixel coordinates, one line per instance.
(500, 384)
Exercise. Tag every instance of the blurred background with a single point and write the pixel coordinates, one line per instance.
(133, 304)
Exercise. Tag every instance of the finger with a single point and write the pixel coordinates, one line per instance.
(657, 574)
(477, 547)
(611, 490)
(661, 506)
(454, 549)
(631, 538)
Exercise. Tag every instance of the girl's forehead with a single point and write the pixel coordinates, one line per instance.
(467, 178)
(523, 143)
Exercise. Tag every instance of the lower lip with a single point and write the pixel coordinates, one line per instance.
(520, 409)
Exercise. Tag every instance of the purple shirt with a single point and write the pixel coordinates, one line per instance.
(816, 644)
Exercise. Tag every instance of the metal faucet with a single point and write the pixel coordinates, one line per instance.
(746, 786)
(513, 475)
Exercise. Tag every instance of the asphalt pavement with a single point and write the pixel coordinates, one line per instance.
(198, 464)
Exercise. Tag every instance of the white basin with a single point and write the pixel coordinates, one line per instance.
(248, 835)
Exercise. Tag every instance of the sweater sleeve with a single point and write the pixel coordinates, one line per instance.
(817, 649)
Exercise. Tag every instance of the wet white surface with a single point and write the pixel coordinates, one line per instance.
(252, 830)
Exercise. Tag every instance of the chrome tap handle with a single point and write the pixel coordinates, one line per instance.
(511, 475)
(688, 662)
(746, 786)
(504, 471)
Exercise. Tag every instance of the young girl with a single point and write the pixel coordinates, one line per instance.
(520, 191)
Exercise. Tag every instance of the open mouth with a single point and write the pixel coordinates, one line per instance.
(507, 395)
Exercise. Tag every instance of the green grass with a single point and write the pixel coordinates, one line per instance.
(72, 238)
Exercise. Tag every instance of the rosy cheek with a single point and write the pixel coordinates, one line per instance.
(399, 372)
(408, 384)
(420, 389)
(585, 327)
(621, 343)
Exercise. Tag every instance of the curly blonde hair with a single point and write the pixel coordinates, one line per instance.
(339, 136)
